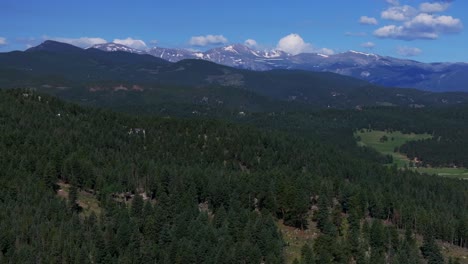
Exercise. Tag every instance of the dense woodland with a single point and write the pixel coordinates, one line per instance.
(249, 178)
(448, 126)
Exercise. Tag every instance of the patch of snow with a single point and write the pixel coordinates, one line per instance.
(230, 49)
(362, 53)
(272, 54)
(255, 53)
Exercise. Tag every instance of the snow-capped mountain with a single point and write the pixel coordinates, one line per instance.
(241, 56)
(377, 69)
(172, 55)
(112, 47)
(236, 55)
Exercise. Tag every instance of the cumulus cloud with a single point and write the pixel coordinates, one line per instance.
(251, 43)
(434, 7)
(325, 51)
(83, 42)
(207, 40)
(422, 26)
(3, 41)
(408, 51)
(368, 45)
(295, 44)
(399, 13)
(365, 20)
(132, 43)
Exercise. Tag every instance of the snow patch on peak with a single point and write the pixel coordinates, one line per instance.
(255, 53)
(230, 49)
(273, 54)
(362, 53)
(323, 55)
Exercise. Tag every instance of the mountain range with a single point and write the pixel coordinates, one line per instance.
(132, 79)
(382, 70)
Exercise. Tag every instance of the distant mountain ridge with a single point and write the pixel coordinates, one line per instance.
(382, 70)
(94, 75)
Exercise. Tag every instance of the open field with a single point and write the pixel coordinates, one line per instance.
(446, 172)
(396, 139)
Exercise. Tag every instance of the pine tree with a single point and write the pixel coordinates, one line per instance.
(430, 250)
(137, 206)
(73, 199)
(50, 175)
(307, 255)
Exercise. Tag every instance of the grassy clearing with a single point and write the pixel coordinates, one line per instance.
(373, 140)
(395, 139)
(86, 200)
(461, 173)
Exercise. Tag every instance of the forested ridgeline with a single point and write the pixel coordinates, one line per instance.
(246, 177)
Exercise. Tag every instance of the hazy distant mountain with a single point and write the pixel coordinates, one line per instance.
(376, 69)
(82, 74)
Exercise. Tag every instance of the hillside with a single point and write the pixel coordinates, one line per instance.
(193, 180)
(62, 69)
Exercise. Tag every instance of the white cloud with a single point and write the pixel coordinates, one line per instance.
(3, 41)
(434, 7)
(438, 24)
(132, 43)
(83, 42)
(368, 45)
(294, 44)
(251, 43)
(408, 51)
(365, 20)
(393, 2)
(325, 51)
(401, 32)
(207, 40)
(422, 26)
(399, 13)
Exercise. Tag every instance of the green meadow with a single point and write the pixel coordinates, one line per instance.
(385, 142)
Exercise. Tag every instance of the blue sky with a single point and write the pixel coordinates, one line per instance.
(429, 31)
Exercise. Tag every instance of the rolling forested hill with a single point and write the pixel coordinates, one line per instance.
(202, 191)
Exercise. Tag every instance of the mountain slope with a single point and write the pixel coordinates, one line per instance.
(61, 66)
(386, 71)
